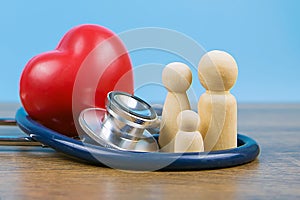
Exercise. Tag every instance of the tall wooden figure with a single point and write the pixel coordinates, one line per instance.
(177, 78)
(217, 108)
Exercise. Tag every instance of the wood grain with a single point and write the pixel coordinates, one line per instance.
(42, 173)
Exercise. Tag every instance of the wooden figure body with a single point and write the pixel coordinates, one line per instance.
(217, 108)
(177, 78)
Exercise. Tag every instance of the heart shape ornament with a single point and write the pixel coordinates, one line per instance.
(89, 62)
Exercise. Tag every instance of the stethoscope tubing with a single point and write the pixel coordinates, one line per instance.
(7, 140)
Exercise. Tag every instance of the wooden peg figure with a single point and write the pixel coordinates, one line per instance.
(177, 78)
(217, 108)
(188, 138)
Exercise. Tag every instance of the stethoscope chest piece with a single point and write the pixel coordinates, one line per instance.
(123, 125)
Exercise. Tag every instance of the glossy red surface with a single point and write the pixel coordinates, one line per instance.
(49, 87)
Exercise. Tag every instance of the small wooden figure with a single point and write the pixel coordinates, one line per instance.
(188, 138)
(217, 108)
(177, 78)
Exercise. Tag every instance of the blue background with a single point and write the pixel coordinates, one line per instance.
(263, 36)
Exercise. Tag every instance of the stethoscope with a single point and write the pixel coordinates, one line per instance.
(127, 123)
(124, 136)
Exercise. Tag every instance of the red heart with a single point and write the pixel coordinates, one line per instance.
(89, 62)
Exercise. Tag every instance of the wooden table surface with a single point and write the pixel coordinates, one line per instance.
(42, 173)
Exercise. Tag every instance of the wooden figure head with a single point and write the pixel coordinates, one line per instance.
(177, 77)
(217, 71)
(188, 121)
